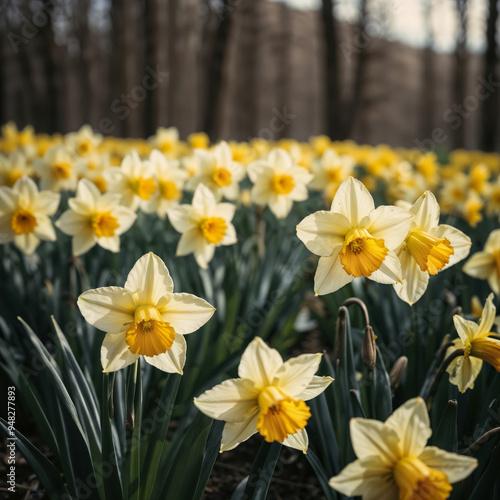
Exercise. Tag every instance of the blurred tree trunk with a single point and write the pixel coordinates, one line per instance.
(150, 40)
(490, 105)
(428, 75)
(172, 95)
(215, 69)
(460, 86)
(285, 68)
(332, 105)
(117, 75)
(81, 23)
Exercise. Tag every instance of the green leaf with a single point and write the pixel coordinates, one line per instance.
(330, 494)
(486, 484)
(161, 421)
(259, 479)
(44, 470)
(446, 435)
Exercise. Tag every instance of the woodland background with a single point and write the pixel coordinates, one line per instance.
(244, 68)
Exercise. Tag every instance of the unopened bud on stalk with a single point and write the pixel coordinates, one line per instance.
(397, 372)
(369, 348)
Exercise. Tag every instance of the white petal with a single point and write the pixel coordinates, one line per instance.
(231, 400)
(72, 222)
(280, 205)
(259, 363)
(487, 318)
(280, 159)
(8, 199)
(115, 353)
(204, 253)
(493, 242)
(173, 360)
(426, 210)
(392, 224)
(225, 211)
(330, 275)
(315, 388)
(298, 441)
(411, 423)
(44, 228)
(83, 242)
(186, 313)
(27, 243)
(46, 202)
(111, 243)
(203, 200)
(183, 218)
(366, 477)
(415, 280)
(353, 200)
(230, 237)
(108, 308)
(297, 373)
(463, 372)
(373, 438)
(125, 218)
(456, 467)
(26, 187)
(189, 242)
(235, 433)
(322, 231)
(466, 329)
(88, 193)
(150, 279)
(389, 272)
(481, 265)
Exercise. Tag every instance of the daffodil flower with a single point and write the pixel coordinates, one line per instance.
(479, 344)
(278, 182)
(57, 169)
(84, 142)
(394, 463)
(354, 239)
(95, 219)
(205, 224)
(133, 180)
(170, 179)
(166, 140)
(218, 171)
(145, 318)
(485, 265)
(24, 215)
(268, 398)
(427, 249)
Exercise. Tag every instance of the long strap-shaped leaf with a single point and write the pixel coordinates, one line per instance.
(45, 471)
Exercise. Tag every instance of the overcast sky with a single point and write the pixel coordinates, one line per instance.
(407, 21)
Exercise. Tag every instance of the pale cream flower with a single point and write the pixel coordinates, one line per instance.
(170, 179)
(485, 265)
(218, 171)
(428, 248)
(133, 180)
(278, 182)
(354, 239)
(13, 167)
(166, 140)
(479, 344)
(145, 318)
(394, 462)
(84, 142)
(95, 218)
(57, 170)
(205, 224)
(24, 215)
(268, 398)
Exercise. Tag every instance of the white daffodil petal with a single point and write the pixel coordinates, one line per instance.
(389, 223)
(44, 229)
(203, 200)
(296, 374)
(487, 318)
(27, 243)
(186, 313)
(150, 279)
(259, 363)
(315, 388)
(323, 231)
(108, 309)
(426, 210)
(466, 329)
(456, 467)
(459, 241)
(353, 200)
(493, 242)
(371, 437)
(189, 242)
(330, 275)
(415, 280)
(389, 272)
(231, 400)
(115, 353)
(72, 223)
(111, 243)
(183, 218)
(298, 441)
(173, 360)
(235, 433)
(481, 265)
(463, 372)
(83, 242)
(411, 423)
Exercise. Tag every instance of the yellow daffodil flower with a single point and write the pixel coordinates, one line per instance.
(166, 140)
(95, 218)
(133, 180)
(268, 397)
(427, 249)
(479, 344)
(485, 265)
(170, 179)
(354, 239)
(145, 318)
(394, 463)
(205, 224)
(24, 215)
(218, 171)
(278, 182)
(13, 167)
(84, 142)
(57, 170)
